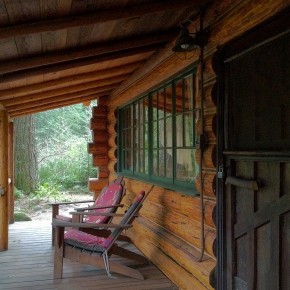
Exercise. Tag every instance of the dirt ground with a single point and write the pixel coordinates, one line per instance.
(41, 210)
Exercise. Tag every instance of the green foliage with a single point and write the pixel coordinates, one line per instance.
(21, 217)
(18, 193)
(48, 191)
(72, 168)
(61, 139)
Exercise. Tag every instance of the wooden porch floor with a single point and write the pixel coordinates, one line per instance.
(28, 264)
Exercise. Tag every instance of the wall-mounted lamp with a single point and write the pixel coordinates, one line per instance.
(187, 41)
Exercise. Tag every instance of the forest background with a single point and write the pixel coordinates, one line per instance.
(50, 153)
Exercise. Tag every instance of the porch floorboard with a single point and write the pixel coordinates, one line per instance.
(28, 264)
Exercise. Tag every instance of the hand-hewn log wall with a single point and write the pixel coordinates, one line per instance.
(99, 147)
(168, 228)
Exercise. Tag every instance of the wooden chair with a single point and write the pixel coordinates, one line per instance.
(107, 202)
(94, 250)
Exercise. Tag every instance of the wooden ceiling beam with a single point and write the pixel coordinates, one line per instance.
(54, 105)
(71, 80)
(77, 63)
(65, 22)
(55, 57)
(71, 89)
(56, 99)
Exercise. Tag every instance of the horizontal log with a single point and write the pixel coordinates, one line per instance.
(142, 52)
(57, 99)
(99, 124)
(241, 19)
(100, 160)
(112, 114)
(71, 80)
(50, 106)
(100, 148)
(209, 157)
(210, 126)
(156, 241)
(186, 228)
(209, 181)
(176, 202)
(103, 102)
(102, 85)
(112, 166)
(103, 171)
(95, 185)
(112, 140)
(78, 53)
(135, 186)
(112, 127)
(66, 22)
(99, 135)
(172, 217)
(112, 153)
(100, 111)
(208, 72)
(209, 100)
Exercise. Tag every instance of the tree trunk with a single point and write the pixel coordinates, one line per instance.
(26, 170)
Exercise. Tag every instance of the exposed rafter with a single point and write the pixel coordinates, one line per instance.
(58, 57)
(77, 63)
(71, 80)
(61, 98)
(92, 18)
(71, 89)
(79, 53)
(55, 105)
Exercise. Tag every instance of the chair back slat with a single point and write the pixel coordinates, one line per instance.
(127, 219)
(109, 196)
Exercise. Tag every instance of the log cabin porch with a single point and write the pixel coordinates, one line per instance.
(57, 53)
(29, 265)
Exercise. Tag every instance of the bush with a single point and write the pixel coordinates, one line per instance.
(47, 191)
(18, 193)
(69, 169)
(21, 217)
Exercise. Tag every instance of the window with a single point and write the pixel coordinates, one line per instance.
(157, 134)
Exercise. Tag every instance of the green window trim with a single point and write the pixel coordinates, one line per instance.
(156, 134)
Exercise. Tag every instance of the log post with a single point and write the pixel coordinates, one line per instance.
(3, 180)
(10, 173)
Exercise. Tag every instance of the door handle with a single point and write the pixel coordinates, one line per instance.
(243, 183)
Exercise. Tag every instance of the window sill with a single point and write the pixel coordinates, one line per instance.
(188, 190)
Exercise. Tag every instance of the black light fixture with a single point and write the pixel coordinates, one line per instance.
(187, 41)
(184, 42)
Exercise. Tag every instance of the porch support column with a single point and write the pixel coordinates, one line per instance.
(3, 180)
(10, 173)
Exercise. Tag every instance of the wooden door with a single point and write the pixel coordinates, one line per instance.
(258, 223)
(256, 72)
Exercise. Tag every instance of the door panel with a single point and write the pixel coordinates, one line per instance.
(258, 225)
(256, 147)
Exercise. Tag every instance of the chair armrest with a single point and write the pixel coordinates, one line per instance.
(98, 207)
(96, 214)
(63, 224)
(69, 202)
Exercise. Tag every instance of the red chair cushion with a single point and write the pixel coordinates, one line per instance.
(83, 240)
(111, 196)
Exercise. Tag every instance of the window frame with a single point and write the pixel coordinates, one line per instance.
(169, 183)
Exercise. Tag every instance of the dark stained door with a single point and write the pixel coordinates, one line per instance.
(256, 72)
